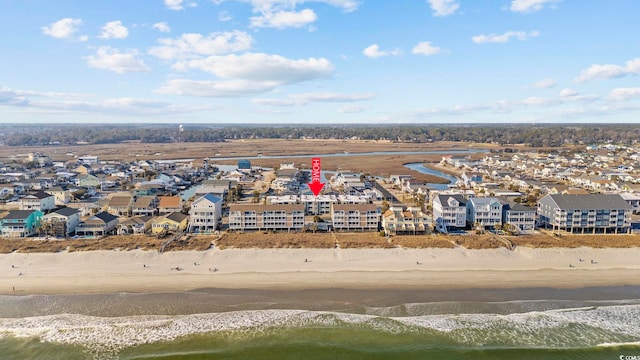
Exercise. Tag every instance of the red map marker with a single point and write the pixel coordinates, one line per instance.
(315, 185)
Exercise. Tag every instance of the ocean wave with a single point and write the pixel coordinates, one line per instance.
(578, 327)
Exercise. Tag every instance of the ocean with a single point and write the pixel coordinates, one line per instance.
(526, 323)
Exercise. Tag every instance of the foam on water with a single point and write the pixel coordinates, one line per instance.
(579, 327)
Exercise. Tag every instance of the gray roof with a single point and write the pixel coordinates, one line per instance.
(445, 198)
(105, 216)
(488, 200)
(18, 214)
(589, 201)
(66, 211)
(177, 216)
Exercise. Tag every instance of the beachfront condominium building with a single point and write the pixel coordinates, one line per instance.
(205, 214)
(318, 205)
(449, 212)
(289, 217)
(486, 212)
(585, 213)
(350, 217)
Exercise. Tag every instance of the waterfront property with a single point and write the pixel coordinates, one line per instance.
(450, 211)
(62, 222)
(399, 220)
(590, 213)
(38, 200)
(521, 218)
(205, 214)
(486, 212)
(21, 223)
(289, 217)
(100, 224)
(174, 222)
(359, 217)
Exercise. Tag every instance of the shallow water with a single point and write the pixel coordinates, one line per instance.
(590, 323)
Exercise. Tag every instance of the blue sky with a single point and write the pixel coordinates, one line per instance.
(319, 61)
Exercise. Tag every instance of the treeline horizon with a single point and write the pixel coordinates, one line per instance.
(538, 135)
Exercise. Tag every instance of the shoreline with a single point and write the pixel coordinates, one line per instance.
(140, 271)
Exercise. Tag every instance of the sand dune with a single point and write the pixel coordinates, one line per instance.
(145, 271)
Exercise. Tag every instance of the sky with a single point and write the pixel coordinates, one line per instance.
(319, 61)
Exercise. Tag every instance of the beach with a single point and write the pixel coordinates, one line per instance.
(94, 272)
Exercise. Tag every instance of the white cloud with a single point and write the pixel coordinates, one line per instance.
(224, 16)
(544, 84)
(525, 6)
(277, 5)
(609, 71)
(373, 51)
(63, 28)
(192, 45)
(425, 48)
(114, 30)
(444, 7)
(73, 102)
(83, 38)
(503, 38)
(107, 58)
(303, 99)
(284, 19)
(231, 88)
(162, 27)
(566, 92)
(352, 109)
(262, 67)
(174, 4)
(622, 94)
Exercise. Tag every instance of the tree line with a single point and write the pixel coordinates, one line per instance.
(547, 135)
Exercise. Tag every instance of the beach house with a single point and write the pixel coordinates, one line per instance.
(38, 200)
(175, 222)
(21, 223)
(205, 214)
(399, 220)
(486, 212)
(449, 211)
(97, 225)
(62, 222)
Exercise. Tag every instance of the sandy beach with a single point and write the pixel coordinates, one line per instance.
(146, 271)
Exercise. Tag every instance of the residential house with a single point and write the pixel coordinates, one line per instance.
(100, 224)
(120, 205)
(145, 206)
(169, 204)
(89, 181)
(135, 225)
(61, 194)
(486, 212)
(449, 211)
(288, 217)
(62, 222)
(520, 217)
(633, 200)
(383, 193)
(205, 214)
(399, 220)
(175, 222)
(38, 200)
(590, 213)
(350, 217)
(21, 223)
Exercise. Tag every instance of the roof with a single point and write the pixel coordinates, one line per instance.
(67, 211)
(589, 201)
(177, 216)
(263, 208)
(169, 201)
(355, 207)
(105, 216)
(39, 194)
(444, 199)
(210, 197)
(18, 214)
(120, 201)
(137, 220)
(143, 201)
(484, 201)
